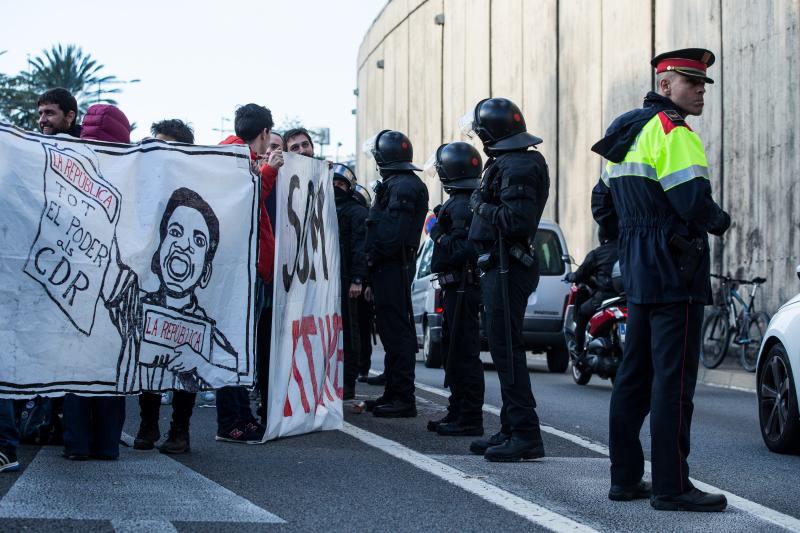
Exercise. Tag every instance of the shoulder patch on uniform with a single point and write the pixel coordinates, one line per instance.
(671, 119)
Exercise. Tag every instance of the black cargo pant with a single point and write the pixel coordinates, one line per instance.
(657, 375)
(465, 371)
(392, 312)
(351, 342)
(365, 318)
(182, 406)
(518, 414)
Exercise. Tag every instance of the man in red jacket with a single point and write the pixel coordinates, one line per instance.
(252, 124)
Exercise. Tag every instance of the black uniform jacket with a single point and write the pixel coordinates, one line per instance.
(515, 187)
(352, 218)
(396, 217)
(452, 249)
(597, 268)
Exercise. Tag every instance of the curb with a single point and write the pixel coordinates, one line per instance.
(727, 379)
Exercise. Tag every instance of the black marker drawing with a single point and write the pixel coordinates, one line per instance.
(168, 340)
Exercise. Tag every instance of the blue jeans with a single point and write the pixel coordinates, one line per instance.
(9, 434)
(93, 425)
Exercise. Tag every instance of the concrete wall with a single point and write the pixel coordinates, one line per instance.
(573, 65)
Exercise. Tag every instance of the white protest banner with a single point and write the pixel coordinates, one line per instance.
(124, 267)
(305, 375)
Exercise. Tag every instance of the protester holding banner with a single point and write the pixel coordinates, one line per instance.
(353, 268)
(298, 141)
(252, 125)
(58, 113)
(394, 227)
(93, 425)
(172, 130)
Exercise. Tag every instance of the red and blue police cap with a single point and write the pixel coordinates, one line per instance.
(692, 62)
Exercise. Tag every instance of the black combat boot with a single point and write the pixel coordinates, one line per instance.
(177, 441)
(396, 409)
(516, 448)
(480, 446)
(433, 425)
(147, 436)
(626, 493)
(691, 500)
(460, 429)
(372, 404)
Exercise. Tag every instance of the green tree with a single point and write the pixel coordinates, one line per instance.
(61, 66)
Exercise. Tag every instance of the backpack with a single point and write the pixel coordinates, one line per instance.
(39, 420)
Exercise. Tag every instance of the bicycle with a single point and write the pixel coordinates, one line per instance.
(732, 321)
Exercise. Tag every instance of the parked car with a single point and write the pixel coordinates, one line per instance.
(428, 313)
(777, 374)
(542, 329)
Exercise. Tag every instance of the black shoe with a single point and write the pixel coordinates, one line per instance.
(396, 409)
(691, 500)
(372, 404)
(242, 432)
(456, 429)
(626, 493)
(362, 378)
(515, 449)
(177, 442)
(377, 380)
(480, 446)
(147, 437)
(433, 425)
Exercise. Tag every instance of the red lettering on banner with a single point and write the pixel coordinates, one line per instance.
(328, 331)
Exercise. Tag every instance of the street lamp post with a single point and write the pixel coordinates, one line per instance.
(112, 82)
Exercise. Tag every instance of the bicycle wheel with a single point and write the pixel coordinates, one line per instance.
(748, 354)
(716, 338)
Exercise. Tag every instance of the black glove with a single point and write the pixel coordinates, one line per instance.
(437, 209)
(436, 232)
(720, 224)
(475, 200)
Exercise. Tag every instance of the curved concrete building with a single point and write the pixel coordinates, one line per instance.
(574, 65)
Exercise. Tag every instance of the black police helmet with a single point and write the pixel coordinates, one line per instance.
(459, 165)
(344, 173)
(500, 125)
(393, 151)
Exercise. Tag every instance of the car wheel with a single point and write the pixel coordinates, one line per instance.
(558, 358)
(716, 338)
(777, 403)
(431, 351)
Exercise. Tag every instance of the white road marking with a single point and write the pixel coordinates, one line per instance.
(143, 526)
(141, 489)
(491, 493)
(756, 509)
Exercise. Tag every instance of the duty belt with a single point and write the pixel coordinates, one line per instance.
(447, 279)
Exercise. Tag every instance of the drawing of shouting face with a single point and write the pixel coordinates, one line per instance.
(189, 235)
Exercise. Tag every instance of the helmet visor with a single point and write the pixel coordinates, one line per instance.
(429, 170)
(466, 124)
(344, 173)
(370, 144)
(364, 192)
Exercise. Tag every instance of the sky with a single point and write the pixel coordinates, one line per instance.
(199, 60)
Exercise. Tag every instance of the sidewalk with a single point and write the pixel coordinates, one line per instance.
(728, 375)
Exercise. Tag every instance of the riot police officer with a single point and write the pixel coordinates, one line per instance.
(655, 188)
(458, 166)
(394, 227)
(352, 217)
(365, 312)
(508, 206)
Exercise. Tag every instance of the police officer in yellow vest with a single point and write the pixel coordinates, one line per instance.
(656, 188)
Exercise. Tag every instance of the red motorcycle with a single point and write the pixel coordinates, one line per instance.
(605, 334)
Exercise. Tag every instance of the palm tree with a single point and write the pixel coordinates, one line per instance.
(70, 68)
(61, 66)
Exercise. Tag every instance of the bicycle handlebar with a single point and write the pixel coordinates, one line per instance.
(754, 281)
